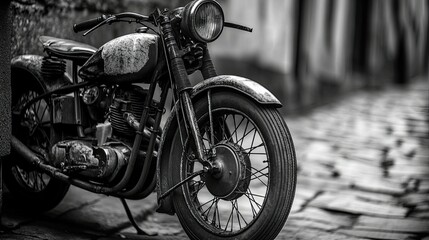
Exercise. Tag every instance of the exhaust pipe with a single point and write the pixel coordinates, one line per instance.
(24, 151)
(34, 160)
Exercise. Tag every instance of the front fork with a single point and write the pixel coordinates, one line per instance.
(184, 86)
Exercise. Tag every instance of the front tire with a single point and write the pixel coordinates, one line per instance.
(251, 193)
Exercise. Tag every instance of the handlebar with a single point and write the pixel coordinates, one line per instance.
(238, 26)
(88, 24)
(94, 23)
(91, 23)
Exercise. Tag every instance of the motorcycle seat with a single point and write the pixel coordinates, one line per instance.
(67, 49)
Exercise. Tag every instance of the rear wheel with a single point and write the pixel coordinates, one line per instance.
(31, 189)
(250, 194)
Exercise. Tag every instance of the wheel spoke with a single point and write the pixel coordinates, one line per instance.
(229, 219)
(250, 195)
(226, 215)
(259, 171)
(43, 113)
(34, 120)
(239, 215)
(254, 212)
(258, 177)
(38, 106)
(209, 208)
(216, 214)
(224, 136)
(254, 175)
(245, 135)
(235, 128)
(210, 201)
(42, 180)
(250, 149)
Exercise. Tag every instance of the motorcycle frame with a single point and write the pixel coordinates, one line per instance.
(181, 86)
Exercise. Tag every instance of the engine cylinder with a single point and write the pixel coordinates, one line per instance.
(128, 100)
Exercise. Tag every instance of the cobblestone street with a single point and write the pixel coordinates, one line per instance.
(363, 174)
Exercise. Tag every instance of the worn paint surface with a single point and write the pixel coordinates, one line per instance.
(127, 54)
(33, 64)
(244, 85)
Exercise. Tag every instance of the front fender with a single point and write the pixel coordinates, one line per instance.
(30, 66)
(234, 83)
(251, 88)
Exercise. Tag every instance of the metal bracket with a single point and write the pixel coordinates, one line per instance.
(182, 182)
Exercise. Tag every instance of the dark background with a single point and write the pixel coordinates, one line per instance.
(306, 52)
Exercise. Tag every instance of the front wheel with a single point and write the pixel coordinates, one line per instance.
(250, 194)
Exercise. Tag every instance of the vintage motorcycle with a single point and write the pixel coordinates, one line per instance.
(223, 161)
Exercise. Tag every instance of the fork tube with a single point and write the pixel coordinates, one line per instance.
(177, 65)
(207, 69)
(183, 86)
(193, 127)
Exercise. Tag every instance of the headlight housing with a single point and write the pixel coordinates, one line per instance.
(203, 20)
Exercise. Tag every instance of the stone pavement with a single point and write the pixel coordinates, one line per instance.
(363, 174)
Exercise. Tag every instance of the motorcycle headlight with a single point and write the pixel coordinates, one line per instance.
(203, 20)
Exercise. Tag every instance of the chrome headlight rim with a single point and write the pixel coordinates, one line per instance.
(188, 24)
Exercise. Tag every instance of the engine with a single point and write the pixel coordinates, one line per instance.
(104, 153)
(121, 107)
(126, 110)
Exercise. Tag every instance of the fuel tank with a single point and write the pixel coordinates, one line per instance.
(126, 59)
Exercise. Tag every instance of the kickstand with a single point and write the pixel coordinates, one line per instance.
(133, 221)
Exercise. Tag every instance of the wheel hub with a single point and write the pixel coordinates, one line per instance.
(230, 176)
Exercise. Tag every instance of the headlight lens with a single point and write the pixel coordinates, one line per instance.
(203, 20)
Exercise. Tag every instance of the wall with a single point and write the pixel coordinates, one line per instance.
(4, 78)
(310, 52)
(267, 54)
(307, 52)
(34, 18)
(4, 88)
